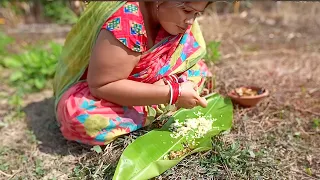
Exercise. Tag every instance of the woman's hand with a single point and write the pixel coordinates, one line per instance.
(189, 97)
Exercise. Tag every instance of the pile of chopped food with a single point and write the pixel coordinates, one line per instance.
(192, 128)
(243, 91)
(177, 154)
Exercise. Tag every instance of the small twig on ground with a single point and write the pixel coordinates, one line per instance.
(13, 175)
(106, 167)
(5, 174)
(227, 169)
(205, 153)
(108, 148)
(303, 173)
(95, 173)
(306, 110)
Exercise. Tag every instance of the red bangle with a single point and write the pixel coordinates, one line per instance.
(171, 93)
(175, 77)
(174, 93)
(170, 79)
(175, 89)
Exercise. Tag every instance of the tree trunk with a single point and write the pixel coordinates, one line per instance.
(37, 11)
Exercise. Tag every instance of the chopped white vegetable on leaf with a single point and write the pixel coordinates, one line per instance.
(192, 128)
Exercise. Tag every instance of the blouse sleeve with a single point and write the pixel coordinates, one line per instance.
(126, 24)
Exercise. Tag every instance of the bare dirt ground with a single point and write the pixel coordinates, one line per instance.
(278, 139)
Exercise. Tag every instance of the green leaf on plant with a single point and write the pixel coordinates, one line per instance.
(12, 62)
(33, 68)
(308, 171)
(316, 123)
(213, 53)
(39, 83)
(5, 40)
(16, 100)
(97, 149)
(16, 76)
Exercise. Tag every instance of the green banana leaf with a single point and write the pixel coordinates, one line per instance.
(145, 157)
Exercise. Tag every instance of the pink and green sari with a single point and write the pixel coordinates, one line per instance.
(86, 119)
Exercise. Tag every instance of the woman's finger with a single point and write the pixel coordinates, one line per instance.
(202, 102)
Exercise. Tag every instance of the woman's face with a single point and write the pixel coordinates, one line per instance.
(175, 17)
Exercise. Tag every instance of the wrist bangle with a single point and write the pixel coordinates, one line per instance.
(170, 79)
(175, 77)
(175, 92)
(171, 93)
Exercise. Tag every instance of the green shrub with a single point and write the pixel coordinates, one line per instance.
(213, 53)
(33, 68)
(4, 42)
(57, 11)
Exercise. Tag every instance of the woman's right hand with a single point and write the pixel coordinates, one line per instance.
(189, 97)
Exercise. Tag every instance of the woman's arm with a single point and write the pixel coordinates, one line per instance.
(110, 65)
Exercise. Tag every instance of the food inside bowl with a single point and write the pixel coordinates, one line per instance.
(243, 92)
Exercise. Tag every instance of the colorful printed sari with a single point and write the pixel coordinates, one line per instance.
(93, 121)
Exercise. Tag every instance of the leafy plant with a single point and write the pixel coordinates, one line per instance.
(12, 6)
(231, 155)
(56, 10)
(16, 100)
(145, 157)
(33, 68)
(4, 3)
(39, 171)
(5, 40)
(213, 53)
(97, 149)
(316, 123)
(239, 159)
